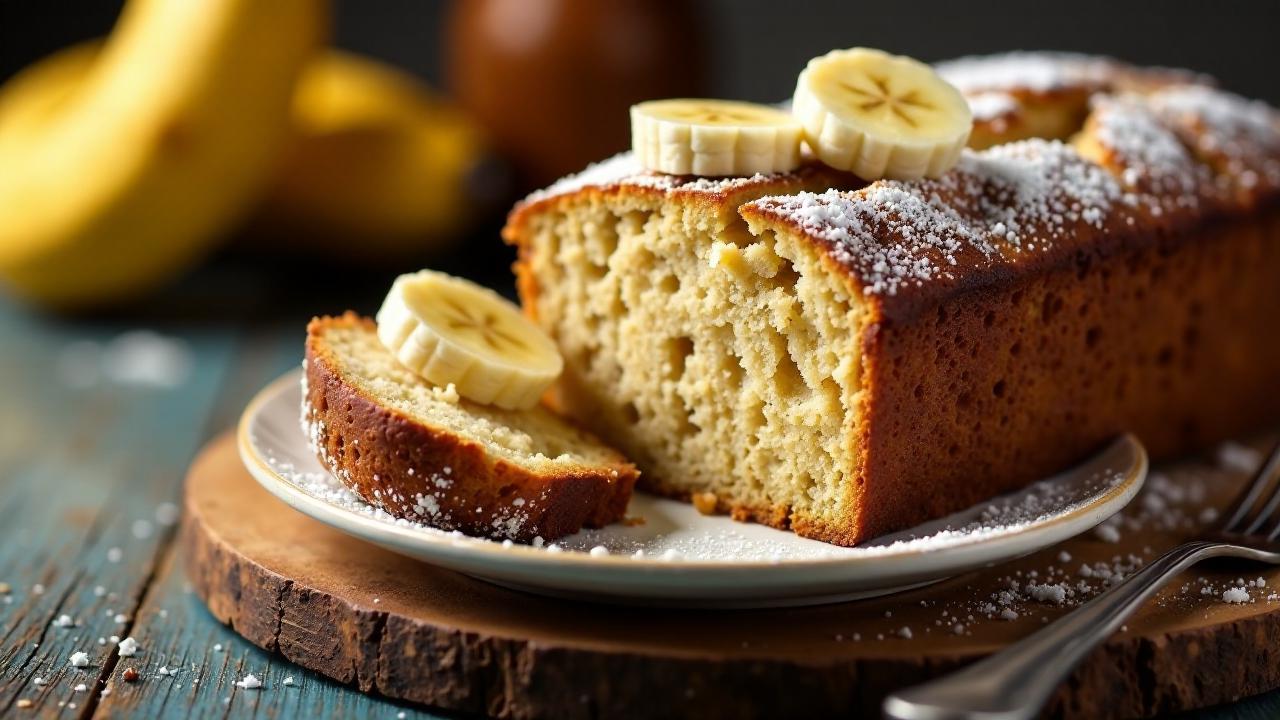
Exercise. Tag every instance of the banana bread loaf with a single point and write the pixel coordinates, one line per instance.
(846, 359)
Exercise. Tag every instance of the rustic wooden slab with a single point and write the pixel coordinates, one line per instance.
(407, 630)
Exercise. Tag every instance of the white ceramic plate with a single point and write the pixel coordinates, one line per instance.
(680, 557)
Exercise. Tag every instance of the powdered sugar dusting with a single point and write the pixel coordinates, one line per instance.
(989, 106)
(996, 205)
(1040, 72)
(1034, 71)
(1153, 158)
(999, 205)
(625, 170)
(1240, 137)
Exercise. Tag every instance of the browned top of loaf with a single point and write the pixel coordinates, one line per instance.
(1046, 74)
(1161, 151)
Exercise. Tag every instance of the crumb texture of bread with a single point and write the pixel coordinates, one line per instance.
(847, 359)
(720, 352)
(709, 355)
(423, 453)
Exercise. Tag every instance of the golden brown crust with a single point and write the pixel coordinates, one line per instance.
(1022, 95)
(621, 176)
(393, 461)
(1005, 385)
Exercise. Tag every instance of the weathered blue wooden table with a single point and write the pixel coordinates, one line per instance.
(98, 421)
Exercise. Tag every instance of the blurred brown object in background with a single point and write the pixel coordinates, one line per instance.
(551, 80)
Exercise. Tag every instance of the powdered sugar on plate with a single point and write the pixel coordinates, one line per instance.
(669, 553)
(673, 531)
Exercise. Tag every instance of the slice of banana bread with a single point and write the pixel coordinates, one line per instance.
(422, 453)
(859, 359)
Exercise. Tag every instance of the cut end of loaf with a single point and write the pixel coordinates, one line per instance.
(422, 453)
(723, 352)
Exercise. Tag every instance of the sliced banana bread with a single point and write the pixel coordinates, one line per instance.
(859, 359)
(422, 453)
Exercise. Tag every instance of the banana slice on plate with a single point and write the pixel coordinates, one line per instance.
(714, 137)
(450, 330)
(880, 115)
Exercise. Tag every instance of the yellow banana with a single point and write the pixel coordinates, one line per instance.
(37, 93)
(380, 168)
(169, 138)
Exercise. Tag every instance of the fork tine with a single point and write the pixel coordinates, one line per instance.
(1269, 473)
(1271, 468)
(1248, 498)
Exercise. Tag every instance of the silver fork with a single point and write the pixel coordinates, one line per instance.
(1014, 683)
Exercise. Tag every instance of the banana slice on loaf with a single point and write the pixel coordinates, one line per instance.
(714, 138)
(421, 452)
(880, 115)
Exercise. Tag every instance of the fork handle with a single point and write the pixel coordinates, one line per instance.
(1014, 683)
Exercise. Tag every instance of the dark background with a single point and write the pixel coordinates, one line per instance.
(758, 46)
(756, 49)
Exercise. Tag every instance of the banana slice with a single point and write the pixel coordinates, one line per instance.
(449, 330)
(714, 137)
(881, 116)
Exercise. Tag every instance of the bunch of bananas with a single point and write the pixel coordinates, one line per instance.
(122, 162)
